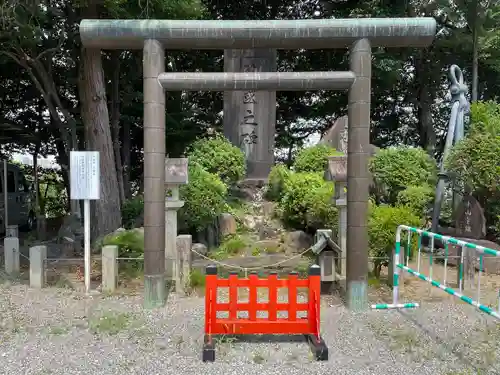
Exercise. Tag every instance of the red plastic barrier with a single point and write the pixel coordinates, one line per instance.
(234, 325)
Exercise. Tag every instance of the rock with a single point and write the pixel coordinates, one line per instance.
(71, 229)
(266, 232)
(270, 246)
(297, 241)
(268, 208)
(251, 222)
(227, 224)
(200, 249)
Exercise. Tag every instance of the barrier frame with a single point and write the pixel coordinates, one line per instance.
(446, 240)
(291, 325)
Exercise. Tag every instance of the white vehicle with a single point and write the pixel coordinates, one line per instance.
(19, 197)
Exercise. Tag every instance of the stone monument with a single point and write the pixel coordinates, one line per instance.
(336, 137)
(470, 220)
(250, 116)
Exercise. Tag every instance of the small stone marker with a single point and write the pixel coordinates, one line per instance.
(38, 256)
(470, 220)
(184, 263)
(109, 268)
(11, 254)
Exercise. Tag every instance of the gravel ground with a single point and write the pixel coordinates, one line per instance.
(57, 331)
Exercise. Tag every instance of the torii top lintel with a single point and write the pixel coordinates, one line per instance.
(281, 34)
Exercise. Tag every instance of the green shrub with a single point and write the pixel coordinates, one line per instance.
(218, 156)
(277, 176)
(418, 198)
(314, 159)
(204, 196)
(132, 209)
(485, 118)
(475, 162)
(307, 202)
(395, 168)
(130, 245)
(383, 221)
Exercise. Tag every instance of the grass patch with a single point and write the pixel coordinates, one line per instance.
(196, 278)
(109, 323)
(58, 331)
(231, 245)
(258, 358)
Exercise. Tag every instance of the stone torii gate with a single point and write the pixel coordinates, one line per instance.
(359, 35)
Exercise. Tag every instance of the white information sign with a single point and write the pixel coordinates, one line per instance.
(84, 175)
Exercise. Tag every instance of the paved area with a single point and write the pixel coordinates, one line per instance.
(58, 331)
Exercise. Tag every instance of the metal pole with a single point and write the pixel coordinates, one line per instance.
(86, 241)
(5, 196)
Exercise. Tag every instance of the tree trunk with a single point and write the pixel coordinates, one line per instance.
(94, 110)
(126, 159)
(426, 130)
(475, 61)
(115, 121)
(63, 161)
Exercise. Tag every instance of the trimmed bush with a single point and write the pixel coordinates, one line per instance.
(418, 198)
(218, 156)
(132, 209)
(395, 168)
(276, 180)
(205, 198)
(307, 202)
(314, 159)
(382, 224)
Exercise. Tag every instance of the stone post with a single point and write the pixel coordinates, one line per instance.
(358, 178)
(250, 117)
(176, 173)
(154, 176)
(184, 263)
(11, 253)
(11, 231)
(337, 172)
(109, 268)
(38, 256)
(341, 203)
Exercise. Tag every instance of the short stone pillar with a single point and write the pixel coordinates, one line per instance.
(12, 231)
(337, 172)
(38, 257)
(184, 263)
(109, 268)
(176, 174)
(11, 254)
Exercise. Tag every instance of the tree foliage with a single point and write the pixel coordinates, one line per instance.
(217, 155)
(396, 168)
(314, 159)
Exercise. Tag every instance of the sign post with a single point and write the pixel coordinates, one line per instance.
(85, 185)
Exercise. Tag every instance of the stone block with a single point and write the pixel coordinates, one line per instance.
(38, 257)
(11, 254)
(184, 263)
(109, 268)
